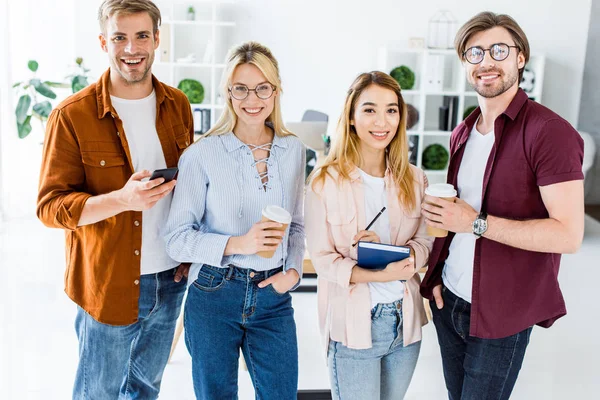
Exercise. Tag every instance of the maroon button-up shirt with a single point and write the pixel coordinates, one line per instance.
(514, 289)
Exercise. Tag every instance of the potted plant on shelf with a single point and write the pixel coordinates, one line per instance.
(191, 14)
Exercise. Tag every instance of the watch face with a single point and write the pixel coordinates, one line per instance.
(479, 226)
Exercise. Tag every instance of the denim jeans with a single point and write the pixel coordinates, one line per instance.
(475, 368)
(127, 362)
(225, 310)
(382, 372)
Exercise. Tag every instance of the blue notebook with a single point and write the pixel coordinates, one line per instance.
(379, 255)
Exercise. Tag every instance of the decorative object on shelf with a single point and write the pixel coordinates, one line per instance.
(40, 108)
(189, 59)
(528, 80)
(404, 76)
(205, 120)
(434, 73)
(468, 111)
(191, 14)
(164, 47)
(435, 157)
(412, 116)
(193, 90)
(413, 149)
(201, 120)
(416, 43)
(441, 30)
(448, 113)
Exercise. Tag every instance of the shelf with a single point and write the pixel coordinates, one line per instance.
(204, 105)
(199, 23)
(437, 133)
(192, 65)
(411, 92)
(435, 172)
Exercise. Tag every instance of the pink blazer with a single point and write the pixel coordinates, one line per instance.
(333, 215)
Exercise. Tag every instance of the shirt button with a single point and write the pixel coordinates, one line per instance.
(136, 223)
(103, 163)
(252, 274)
(187, 142)
(136, 282)
(137, 252)
(118, 134)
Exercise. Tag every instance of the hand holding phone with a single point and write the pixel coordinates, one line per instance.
(168, 174)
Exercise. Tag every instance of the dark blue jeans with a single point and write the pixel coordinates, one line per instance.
(225, 310)
(475, 368)
(127, 362)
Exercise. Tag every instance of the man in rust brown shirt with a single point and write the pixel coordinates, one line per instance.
(101, 144)
(517, 168)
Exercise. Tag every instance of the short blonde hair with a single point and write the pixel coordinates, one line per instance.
(108, 8)
(487, 20)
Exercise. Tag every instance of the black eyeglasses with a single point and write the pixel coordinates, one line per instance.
(262, 91)
(498, 51)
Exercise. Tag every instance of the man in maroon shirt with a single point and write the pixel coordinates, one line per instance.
(517, 168)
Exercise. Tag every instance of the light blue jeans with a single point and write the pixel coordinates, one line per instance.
(127, 362)
(382, 372)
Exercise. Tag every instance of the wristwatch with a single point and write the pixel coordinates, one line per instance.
(480, 224)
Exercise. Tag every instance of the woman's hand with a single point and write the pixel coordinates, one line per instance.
(366, 236)
(280, 282)
(398, 271)
(261, 237)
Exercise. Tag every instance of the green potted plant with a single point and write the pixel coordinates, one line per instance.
(191, 14)
(33, 100)
(192, 89)
(404, 76)
(79, 79)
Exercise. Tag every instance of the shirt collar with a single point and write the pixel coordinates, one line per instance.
(103, 95)
(232, 142)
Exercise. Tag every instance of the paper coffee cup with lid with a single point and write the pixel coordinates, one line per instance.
(275, 214)
(444, 191)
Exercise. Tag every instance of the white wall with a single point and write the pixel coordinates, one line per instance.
(44, 31)
(322, 45)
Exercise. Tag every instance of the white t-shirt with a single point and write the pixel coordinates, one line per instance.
(139, 123)
(458, 270)
(375, 200)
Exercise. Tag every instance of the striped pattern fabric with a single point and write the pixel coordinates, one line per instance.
(219, 194)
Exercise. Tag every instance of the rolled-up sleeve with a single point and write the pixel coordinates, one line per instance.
(62, 177)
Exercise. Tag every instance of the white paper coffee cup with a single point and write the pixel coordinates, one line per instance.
(275, 214)
(444, 191)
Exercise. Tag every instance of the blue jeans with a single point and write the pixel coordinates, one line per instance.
(127, 362)
(475, 368)
(225, 310)
(382, 372)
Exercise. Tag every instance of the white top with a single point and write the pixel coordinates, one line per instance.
(139, 123)
(375, 200)
(458, 271)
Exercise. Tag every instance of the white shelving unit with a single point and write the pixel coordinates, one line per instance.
(207, 37)
(432, 85)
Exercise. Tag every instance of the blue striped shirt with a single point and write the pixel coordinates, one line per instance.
(219, 194)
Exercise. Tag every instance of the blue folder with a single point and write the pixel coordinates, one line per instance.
(379, 255)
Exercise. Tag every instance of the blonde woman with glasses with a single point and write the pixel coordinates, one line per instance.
(370, 320)
(238, 299)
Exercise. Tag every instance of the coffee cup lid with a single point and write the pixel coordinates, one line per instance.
(441, 190)
(277, 214)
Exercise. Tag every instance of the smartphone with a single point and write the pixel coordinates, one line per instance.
(167, 173)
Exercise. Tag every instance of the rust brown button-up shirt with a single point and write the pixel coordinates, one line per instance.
(86, 154)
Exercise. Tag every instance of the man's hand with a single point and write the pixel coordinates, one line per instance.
(182, 271)
(280, 282)
(455, 217)
(437, 296)
(140, 196)
(261, 237)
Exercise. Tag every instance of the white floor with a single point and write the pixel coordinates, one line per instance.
(38, 347)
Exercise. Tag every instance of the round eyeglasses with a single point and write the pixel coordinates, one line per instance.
(262, 91)
(498, 51)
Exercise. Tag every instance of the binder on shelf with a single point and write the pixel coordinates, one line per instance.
(379, 255)
(164, 48)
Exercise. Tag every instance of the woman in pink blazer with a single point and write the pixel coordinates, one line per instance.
(370, 320)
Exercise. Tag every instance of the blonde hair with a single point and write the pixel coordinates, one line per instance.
(345, 154)
(261, 57)
(108, 8)
(487, 20)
